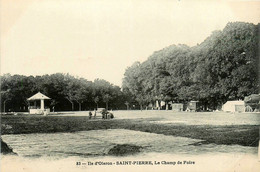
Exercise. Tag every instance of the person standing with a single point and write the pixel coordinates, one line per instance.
(90, 114)
(95, 114)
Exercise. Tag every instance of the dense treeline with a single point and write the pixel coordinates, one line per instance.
(66, 92)
(223, 67)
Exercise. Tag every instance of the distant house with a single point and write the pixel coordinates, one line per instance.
(177, 107)
(37, 104)
(193, 106)
(234, 106)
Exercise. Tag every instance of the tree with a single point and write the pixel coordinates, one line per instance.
(106, 99)
(105, 92)
(133, 83)
(5, 96)
(83, 92)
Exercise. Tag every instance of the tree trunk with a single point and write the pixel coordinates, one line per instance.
(97, 105)
(205, 106)
(4, 104)
(79, 106)
(107, 105)
(141, 107)
(127, 105)
(72, 104)
(27, 103)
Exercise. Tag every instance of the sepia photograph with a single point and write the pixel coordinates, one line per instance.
(130, 85)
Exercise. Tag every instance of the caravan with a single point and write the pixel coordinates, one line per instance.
(234, 106)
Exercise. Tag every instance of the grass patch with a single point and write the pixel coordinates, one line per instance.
(245, 135)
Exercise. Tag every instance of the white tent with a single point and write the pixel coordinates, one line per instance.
(234, 106)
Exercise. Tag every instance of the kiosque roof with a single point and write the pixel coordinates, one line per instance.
(38, 96)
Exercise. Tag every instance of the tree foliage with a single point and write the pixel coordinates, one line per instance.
(223, 67)
(66, 92)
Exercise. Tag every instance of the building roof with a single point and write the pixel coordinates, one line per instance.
(38, 96)
(253, 98)
(236, 102)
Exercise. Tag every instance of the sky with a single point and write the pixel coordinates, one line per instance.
(101, 38)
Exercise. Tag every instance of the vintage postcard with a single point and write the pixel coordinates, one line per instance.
(130, 85)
